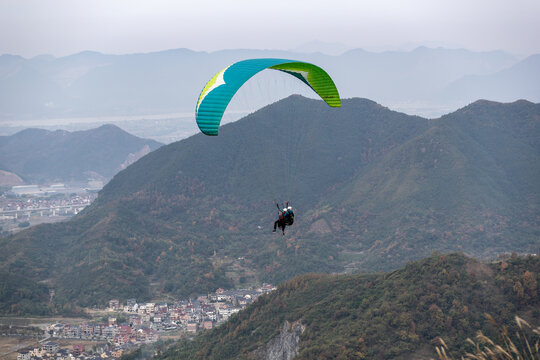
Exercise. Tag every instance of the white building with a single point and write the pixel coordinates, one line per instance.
(50, 347)
(24, 355)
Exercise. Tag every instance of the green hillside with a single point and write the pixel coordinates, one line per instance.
(470, 182)
(41, 156)
(395, 315)
(372, 190)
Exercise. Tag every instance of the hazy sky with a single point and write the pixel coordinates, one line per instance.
(63, 27)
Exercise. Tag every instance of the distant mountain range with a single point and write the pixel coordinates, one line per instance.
(328, 48)
(423, 81)
(505, 85)
(36, 156)
(372, 189)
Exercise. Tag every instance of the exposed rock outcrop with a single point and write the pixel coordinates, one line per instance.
(132, 157)
(320, 227)
(285, 345)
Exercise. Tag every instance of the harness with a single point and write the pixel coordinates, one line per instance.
(288, 217)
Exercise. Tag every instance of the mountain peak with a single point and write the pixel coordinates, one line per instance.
(40, 155)
(109, 127)
(31, 132)
(489, 103)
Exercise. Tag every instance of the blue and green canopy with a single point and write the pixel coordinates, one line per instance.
(219, 91)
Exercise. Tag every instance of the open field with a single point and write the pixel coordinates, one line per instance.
(9, 345)
(40, 322)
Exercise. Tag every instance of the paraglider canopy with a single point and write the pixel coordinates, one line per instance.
(219, 91)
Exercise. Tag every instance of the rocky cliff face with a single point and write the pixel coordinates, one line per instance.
(285, 345)
(132, 157)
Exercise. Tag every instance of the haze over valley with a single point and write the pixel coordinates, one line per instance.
(152, 95)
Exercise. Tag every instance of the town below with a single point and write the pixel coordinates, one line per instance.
(28, 205)
(122, 327)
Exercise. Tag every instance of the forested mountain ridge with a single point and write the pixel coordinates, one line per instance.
(470, 182)
(372, 188)
(396, 315)
(42, 156)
